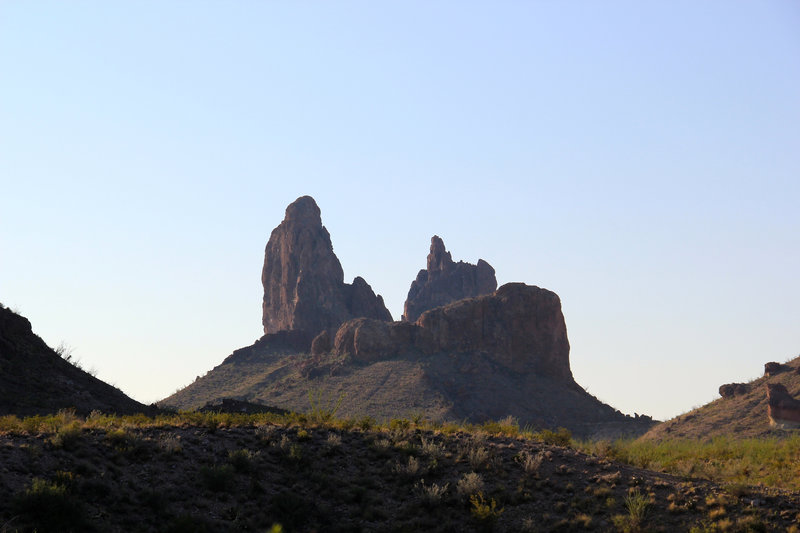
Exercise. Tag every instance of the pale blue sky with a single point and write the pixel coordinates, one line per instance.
(640, 159)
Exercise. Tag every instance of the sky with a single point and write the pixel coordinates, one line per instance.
(640, 159)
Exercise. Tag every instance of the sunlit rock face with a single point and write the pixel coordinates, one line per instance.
(445, 281)
(782, 409)
(303, 281)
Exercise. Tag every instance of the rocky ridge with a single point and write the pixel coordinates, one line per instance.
(445, 281)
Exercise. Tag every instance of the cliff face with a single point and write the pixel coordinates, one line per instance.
(520, 327)
(303, 280)
(444, 281)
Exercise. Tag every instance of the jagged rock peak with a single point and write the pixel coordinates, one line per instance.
(445, 281)
(304, 210)
(303, 281)
(439, 260)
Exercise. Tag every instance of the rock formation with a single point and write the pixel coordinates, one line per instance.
(445, 281)
(521, 327)
(782, 409)
(303, 280)
(729, 390)
(772, 368)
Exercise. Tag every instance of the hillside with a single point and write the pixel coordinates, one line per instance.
(742, 414)
(34, 379)
(221, 473)
(442, 386)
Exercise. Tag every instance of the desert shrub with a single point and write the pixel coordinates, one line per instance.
(366, 423)
(433, 493)
(334, 440)
(10, 424)
(477, 457)
(242, 460)
(469, 484)
(322, 410)
(49, 507)
(217, 478)
(559, 437)
(530, 462)
(170, 443)
(66, 436)
(411, 468)
(431, 449)
(483, 510)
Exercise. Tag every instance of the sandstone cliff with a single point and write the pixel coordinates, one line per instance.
(444, 281)
(303, 281)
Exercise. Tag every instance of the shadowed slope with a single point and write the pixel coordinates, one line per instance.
(34, 379)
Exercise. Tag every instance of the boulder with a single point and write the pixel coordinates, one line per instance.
(783, 410)
(321, 343)
(729, 390)
(303, 280)
(444, 281)
(772, 368)
(520, 327)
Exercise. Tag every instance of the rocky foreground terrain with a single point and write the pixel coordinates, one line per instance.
(203, 472)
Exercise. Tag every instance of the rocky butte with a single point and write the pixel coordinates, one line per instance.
(463, 351)
(444, 281)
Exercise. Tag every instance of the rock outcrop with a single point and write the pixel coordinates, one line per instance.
(772, 368)
(782, 409)
(520, 327)
(729, 390)
(444, 281)
(303, 280)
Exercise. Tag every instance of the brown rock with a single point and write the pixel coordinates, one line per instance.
(303, 280)
(782, 409)
(772, 368)
(321, 343)
(729, 390)
(521, 327)
(444, 282)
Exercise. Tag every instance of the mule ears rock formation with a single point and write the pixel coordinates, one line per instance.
(304, 288)
(444, 282)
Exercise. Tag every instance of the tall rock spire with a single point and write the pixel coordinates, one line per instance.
(303, 280)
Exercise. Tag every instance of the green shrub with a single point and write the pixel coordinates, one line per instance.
(559, 437)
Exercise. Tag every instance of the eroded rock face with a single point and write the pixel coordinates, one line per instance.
(783, 410)
(444, 281)
(729, 390)
(303, 280)
(772, 368)
(521, 327)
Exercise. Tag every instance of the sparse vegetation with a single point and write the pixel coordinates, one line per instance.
(291, 471)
